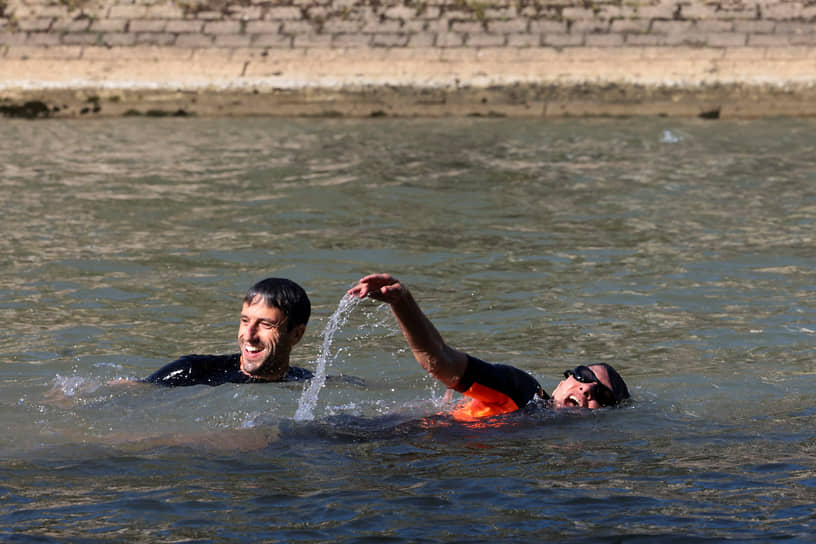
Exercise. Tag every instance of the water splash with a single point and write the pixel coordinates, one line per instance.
(309, 398)
(70, 389)
(69, 386)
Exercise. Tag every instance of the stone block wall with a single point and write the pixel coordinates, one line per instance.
(404, 24)
(369, 46)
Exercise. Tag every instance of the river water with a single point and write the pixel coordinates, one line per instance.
(681, 251)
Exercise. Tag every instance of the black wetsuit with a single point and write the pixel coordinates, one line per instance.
(213, 370)
(495, 389)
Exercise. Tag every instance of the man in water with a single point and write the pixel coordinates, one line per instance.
(493, 388)
(273, 320)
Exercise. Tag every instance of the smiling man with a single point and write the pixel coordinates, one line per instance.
(492, 388)
(274, 315)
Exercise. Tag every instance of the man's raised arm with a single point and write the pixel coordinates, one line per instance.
(440, 360)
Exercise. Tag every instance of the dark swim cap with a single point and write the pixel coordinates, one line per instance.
(619, 389)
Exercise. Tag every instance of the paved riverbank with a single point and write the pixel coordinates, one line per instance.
(364, 58)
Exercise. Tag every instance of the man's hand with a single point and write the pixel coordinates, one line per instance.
(383, 287)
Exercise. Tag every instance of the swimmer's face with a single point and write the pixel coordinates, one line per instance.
(265, 340)
(572, 393)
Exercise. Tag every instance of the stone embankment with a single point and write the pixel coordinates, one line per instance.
(530, 58)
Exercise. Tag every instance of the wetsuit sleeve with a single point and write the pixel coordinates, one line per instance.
(495, 389)
(187, 370)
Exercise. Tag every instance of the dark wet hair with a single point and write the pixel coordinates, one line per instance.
(285, 295)
(619, 389)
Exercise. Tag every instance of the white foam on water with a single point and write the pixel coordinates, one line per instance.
(669, 137)
(305, 410)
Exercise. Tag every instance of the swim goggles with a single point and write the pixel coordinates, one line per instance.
(584, 374)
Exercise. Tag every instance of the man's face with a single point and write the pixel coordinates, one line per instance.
(572, 393)
(265, 340)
